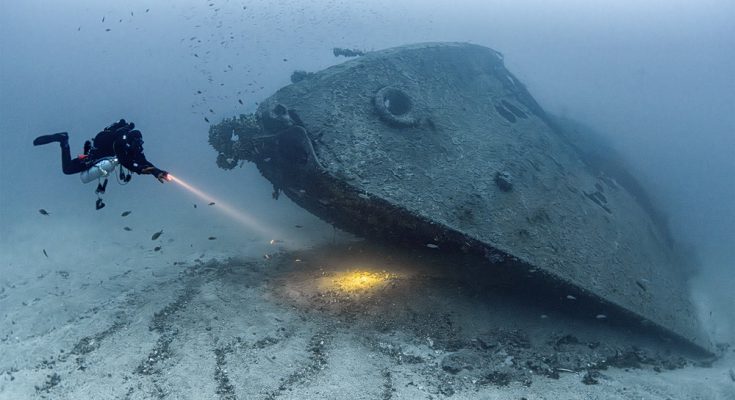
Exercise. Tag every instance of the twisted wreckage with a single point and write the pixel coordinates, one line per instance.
(439, 145)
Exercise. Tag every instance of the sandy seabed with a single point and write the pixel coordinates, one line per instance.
(343, 320)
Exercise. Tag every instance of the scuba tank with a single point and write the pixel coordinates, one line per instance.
(100, 169)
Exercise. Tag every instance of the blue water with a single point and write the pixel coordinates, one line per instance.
(655, 78)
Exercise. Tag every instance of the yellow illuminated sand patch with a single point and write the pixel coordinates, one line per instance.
(360, 280)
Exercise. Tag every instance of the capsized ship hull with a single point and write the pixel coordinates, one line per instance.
(439, 145)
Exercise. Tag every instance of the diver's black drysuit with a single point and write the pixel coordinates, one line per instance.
(117, 140)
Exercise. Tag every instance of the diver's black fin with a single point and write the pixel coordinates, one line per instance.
(61, 137)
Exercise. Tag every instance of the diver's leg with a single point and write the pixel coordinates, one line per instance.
(68, 165)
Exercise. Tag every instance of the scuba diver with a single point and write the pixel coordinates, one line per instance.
(117, 145)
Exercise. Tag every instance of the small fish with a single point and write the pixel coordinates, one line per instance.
(206, 119)
(131, 13)
(298, 226)
(107, 30)
(43, 212)
(125, 213)
(127, 228)
(212, 237)
(285, 59)
(570, 297)
(147, 9)
(157, 235)
(432, 246)
(267, 256)
(157, 248)
(103, 19)
(239, 101)
(195, 206)
(199, 92)
(212, 111)
(79, 29)
(601, 316)
(211, 204)
(44, 253)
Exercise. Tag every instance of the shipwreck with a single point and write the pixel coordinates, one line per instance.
(439, 145)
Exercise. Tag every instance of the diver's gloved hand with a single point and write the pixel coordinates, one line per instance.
(160, 174)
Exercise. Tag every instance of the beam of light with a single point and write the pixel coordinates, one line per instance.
(241, 217)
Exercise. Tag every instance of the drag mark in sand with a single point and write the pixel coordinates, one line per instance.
(387, 385)
(225, 390)
(84, 346)
(162, 320)
(318, 361)
(89, 344)
(162, 323)
(160, 352)
(52, 380)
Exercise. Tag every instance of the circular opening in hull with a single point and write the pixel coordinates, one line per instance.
(394, 106)
(396, 102)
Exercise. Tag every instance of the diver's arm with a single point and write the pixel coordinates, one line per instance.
(140, 165)
(146, 167)
(135, 163)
